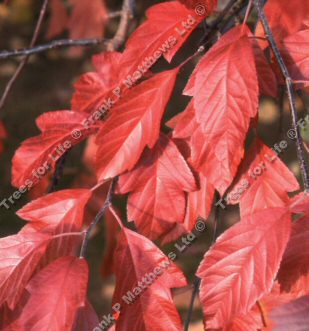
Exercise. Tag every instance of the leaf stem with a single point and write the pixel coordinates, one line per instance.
(290, 92)
(69, 234)
(196, 287)
(113, 211)
(106, 205)
(120, 35)
(259, 305)
(197, 282)
(216, 219)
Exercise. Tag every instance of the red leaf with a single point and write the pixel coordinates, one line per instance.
(263, 182)
(158, 183)
(57, 213)
(133, 125)
(57, 292)
(168, 26)
(225, 90)
(267, 79)
(47, 212)
(285, 17)
(296, 53)
(3, 135)
(111, 230)
(41, 188)
(242, 265)
(295, 264)
(258, 317)
(293, 316)
(252, 321)
(149, 277)
(88, 19)
(194, 4)
(8, 318)
(19, 256)
(90, 152)
(86, 319)
(185, 123)
(300, 286)
(91, 87)
(58, 20)
(199, 204)
(39, 154)
(271, 301)
(300, 204)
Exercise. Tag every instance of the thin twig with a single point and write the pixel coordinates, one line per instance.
(217, 26)
(25, 60)
(97, 219)
(216, 220)
(120, 35)
(126, 15)
(197, 282)
(196, 287)
(264, 319)
(61, 43)
(69, 234)
(58, 173)
(290, 92)
(248, 11)
(114, 14)
(232, 9)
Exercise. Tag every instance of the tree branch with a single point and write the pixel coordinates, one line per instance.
(106, 205)
(25, 60)
(290, 92)
(232, 9)
(126, 15)
(196, 287)
(61, 43)
(120, 35)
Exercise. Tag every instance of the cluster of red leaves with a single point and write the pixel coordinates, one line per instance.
(255, 273)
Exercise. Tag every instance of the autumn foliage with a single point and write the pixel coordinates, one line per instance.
(255, 276)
